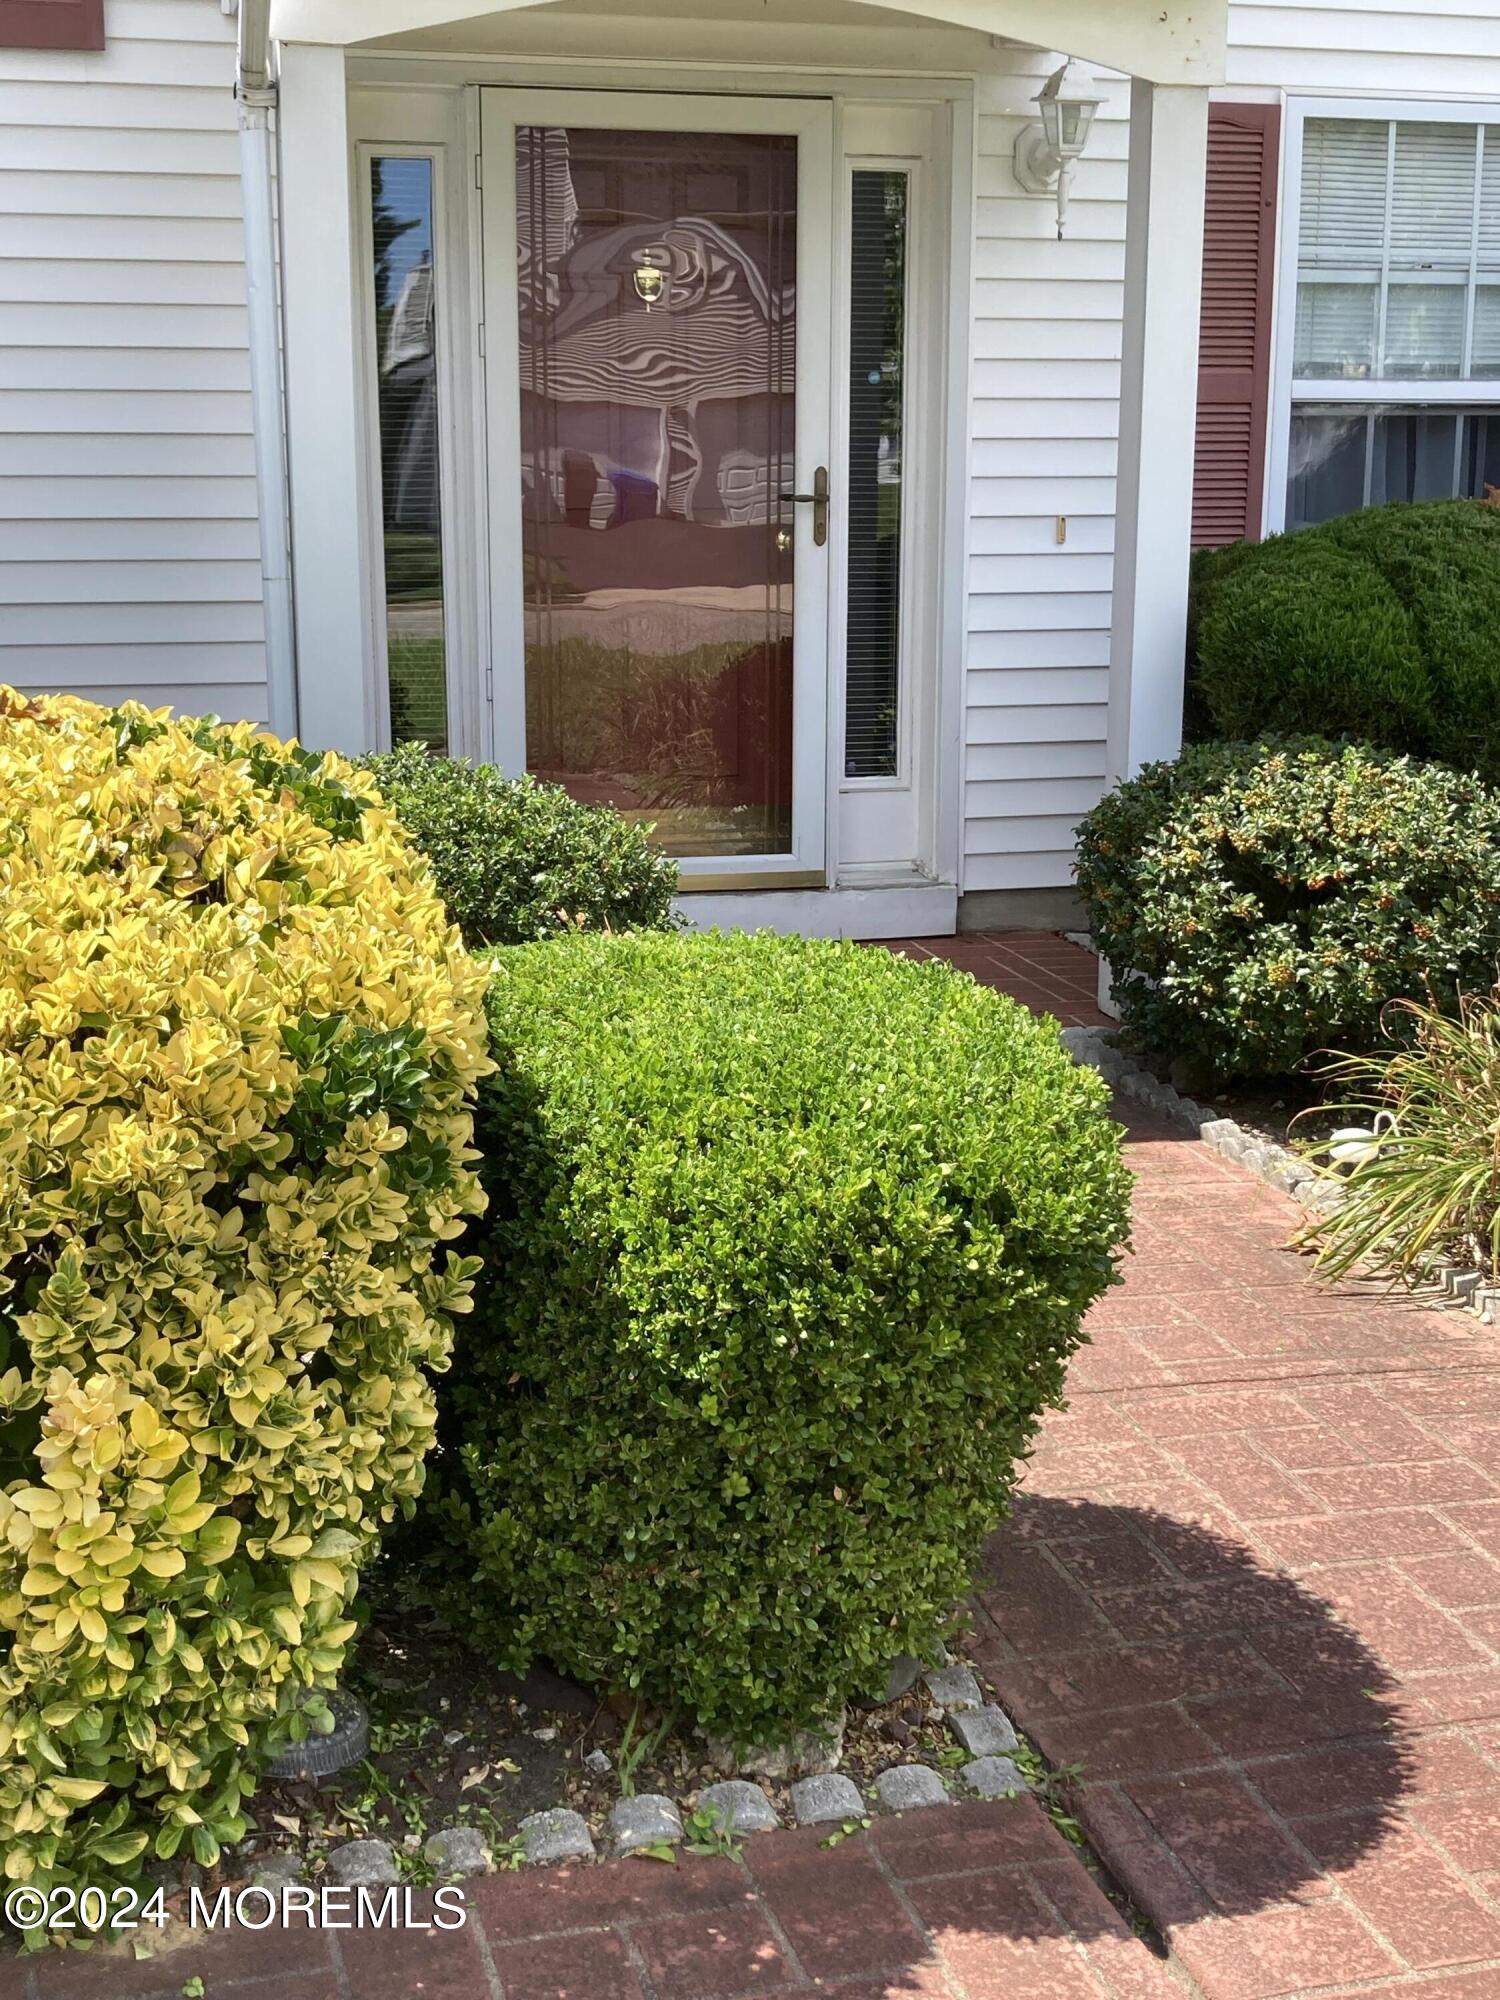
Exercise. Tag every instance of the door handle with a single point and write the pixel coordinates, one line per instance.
(818, 501)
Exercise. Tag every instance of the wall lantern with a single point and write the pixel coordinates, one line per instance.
(1045, 151)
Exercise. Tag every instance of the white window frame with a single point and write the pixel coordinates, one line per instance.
(880, 819)
(1403, 391)
(426, 125)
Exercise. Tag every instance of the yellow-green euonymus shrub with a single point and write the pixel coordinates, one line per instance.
(239, 1039)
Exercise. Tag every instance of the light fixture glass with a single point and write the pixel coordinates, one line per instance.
(1067, 103)
(1045, 151)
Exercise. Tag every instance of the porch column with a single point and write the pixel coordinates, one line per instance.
(1158, 414)
(324, 446)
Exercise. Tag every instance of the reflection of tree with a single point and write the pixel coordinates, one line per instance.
(389, 228)
(400, 203)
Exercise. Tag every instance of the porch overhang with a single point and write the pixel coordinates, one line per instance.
(1161, 41)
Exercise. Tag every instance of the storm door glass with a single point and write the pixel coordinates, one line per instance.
(657, 356)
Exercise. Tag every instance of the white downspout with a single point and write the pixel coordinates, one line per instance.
(255, 94)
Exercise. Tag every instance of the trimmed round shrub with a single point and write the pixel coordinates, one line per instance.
(239, 1040)
(1382, 625)
(792, 1243)
(1262, 901)
(516, 860)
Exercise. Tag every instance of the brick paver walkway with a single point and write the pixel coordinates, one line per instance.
(1253, 1585)
(1045, 970)
(983, 1901)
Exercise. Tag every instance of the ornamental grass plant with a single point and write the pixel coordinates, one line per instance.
(239, 1040)
(1416, 1161)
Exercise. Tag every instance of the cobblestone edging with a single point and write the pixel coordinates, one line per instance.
(650, 1821)
(1274, 1164)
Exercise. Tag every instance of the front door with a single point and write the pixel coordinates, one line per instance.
(657, 281)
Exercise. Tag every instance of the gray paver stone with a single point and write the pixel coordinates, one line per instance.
(904, 1670)
(907, 1786)
(984, 1732)
(993, 1777)
(457, 1851)
(954, 1688)
(647, 1821)
(555, 1835)
(271, 1870)
(739, 1806)
(367, 1864)
(809, 1753)
(827, 1797)
(276, 1873)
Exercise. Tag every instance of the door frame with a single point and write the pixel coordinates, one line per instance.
(431, 104)
(810, 121)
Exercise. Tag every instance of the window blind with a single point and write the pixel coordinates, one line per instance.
(877, 340)
(1399, 250)
(1345, 169)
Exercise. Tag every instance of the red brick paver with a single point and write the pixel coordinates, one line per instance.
(1038, 967)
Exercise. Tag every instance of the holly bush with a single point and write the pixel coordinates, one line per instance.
(794, 1241)
(516, 860)
(238, 1046)
(1261, 901)
(1380, 625)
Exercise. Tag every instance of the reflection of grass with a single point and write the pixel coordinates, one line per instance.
(413, 566)
(419, 692)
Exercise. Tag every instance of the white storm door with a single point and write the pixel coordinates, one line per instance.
(657, 288)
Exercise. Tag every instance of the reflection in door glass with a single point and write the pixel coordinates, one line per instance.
(877, 339)
(410, 488)
(657, 362)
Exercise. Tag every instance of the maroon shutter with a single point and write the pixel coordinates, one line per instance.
(51, 24)
(1234, 353)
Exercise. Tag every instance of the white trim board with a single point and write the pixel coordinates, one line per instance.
(928, 911)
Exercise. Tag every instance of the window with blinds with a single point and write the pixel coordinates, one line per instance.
(877, 345)
(401, 218)
(1398, 268)
(1396, 345)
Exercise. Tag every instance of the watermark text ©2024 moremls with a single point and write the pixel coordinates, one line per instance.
(248, 1906)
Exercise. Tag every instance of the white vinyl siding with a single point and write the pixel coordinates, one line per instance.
(129, 553)
(1373, 48)
(1046, 387)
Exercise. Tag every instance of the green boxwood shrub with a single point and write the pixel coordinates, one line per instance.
(791, 1243)
(1382, 625)
(516, 860)
(1262, 901)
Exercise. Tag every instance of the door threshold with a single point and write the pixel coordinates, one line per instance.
(927, 911)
